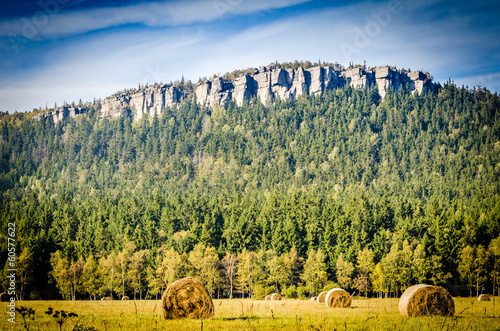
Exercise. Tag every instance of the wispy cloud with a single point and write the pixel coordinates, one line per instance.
(422, 36)
(491, 81)
(121, 60)
(53, 23)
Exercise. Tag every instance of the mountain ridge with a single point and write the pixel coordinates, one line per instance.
(266, 83)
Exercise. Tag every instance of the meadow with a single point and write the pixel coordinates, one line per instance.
(238, 314)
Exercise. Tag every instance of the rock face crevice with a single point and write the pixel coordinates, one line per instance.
(61, 113)
(271, 82)
(265, 83)
(150, 100)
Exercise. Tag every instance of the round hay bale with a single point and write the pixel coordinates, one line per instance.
(483, 297)
(321, 297)
(268, 297)
(313, 298)
(276, 296)
(421, 300)
(186, 298)
(338, 298)
(4, 297)
(125, 298)
(106, 299)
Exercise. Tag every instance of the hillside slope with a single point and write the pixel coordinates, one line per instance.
(339, 172)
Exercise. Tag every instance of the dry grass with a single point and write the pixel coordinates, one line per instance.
(364, 314)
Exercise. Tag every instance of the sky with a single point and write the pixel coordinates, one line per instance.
(56, 51)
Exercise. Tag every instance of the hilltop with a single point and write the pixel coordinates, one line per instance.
(285, 81)
(408, 176)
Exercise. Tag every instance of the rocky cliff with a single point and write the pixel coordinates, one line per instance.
(149, 100)
(271, 82)
(61, 113)
(265, 83)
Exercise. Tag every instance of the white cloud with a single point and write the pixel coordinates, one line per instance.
(490, 80)
(101, 64)
(100, 67)
(153, 14)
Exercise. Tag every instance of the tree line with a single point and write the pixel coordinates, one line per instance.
(252, 274)
(334, 173)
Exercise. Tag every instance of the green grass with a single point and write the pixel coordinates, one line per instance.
(364, 314)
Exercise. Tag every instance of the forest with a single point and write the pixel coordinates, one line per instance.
(341, 189)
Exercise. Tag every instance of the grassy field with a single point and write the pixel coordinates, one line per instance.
(364, 314)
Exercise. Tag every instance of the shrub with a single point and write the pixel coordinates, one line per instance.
(259, 291)
(291, 292)
(301, 292)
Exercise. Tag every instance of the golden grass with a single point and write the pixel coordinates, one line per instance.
(236, 314)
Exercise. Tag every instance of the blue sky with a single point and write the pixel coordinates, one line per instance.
(53, 51)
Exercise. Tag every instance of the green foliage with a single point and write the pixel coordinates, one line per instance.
(336, 173)
(261, 291)
(291, 292)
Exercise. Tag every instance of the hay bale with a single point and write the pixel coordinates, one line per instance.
(338, 298)
(313, 298)
(321, 297)
(276, 296)
(4, 297)
(268, 297)
(483, 297)
(125, 298)
(420, 300)
(106, 299)
(186, 298)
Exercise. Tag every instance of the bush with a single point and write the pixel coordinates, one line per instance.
(330, 285)
(291, 292)
(301, 292)
(259, 291)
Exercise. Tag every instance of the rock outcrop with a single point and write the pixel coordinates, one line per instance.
(149, 100)
(61, 113)
(266, 84)
(271, 82)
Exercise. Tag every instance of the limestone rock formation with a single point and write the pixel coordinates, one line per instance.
(61, 113)
(149, 100)
(266, 84)
(271, 82)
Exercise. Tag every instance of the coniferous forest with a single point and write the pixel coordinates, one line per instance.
(342, 189)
